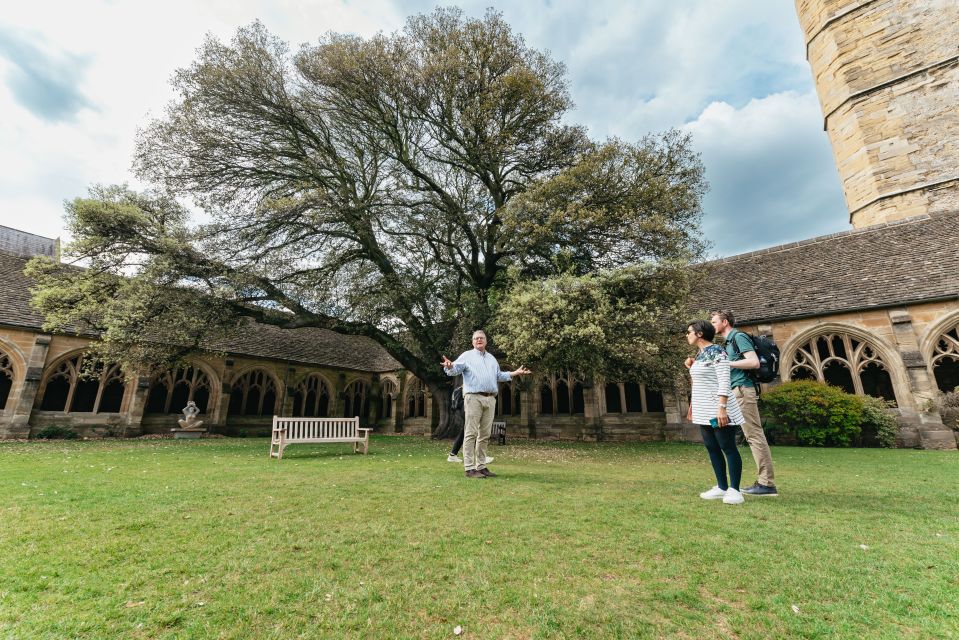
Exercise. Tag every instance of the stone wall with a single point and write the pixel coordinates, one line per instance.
(887, 74)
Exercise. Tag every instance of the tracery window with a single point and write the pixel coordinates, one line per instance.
(311, 398)
(81, 385)
(508, 399)
(632, 397)
(562, 394)
(171, 390)
(416, 399)
(841, 360)
(357, 399)
(388, 391)
(6, 379)
(253, 394)
(945, 360)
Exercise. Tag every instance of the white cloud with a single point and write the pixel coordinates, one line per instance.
(771, 173)
(722, 69)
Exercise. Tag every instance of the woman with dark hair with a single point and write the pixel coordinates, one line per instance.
(715, 410)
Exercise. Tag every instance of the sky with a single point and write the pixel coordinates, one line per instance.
(77, 79)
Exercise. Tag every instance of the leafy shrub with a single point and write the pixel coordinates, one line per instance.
(814, 413)
(56, 432)
(948, 406)
(879, 426)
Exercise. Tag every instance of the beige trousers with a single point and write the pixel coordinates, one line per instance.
(476, 431)
(755, 436)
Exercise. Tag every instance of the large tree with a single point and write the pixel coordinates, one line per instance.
(380, 186)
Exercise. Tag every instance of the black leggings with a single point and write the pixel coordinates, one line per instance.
(458, 442)
(720, 442)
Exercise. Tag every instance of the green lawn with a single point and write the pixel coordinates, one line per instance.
(211, 539)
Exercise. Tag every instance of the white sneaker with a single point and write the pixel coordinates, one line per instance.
(452, 458)
(733, 497)
(713, 494)
(489, 459)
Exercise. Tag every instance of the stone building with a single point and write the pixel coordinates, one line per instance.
(874, 310)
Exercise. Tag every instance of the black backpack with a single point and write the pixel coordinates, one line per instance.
(768, 354)
(456, 403)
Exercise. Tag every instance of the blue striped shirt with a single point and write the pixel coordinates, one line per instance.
(480, 371)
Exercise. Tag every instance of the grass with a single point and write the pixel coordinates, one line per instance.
(210, 539)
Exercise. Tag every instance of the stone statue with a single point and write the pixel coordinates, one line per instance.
(189, 421)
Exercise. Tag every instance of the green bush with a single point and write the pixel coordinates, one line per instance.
(56, 432)
(879, 426)
(815, 414)
(948, 405)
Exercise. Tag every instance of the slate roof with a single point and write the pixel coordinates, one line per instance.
(885, 265)
(319, 347)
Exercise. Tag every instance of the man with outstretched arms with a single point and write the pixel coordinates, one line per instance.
(481, 378)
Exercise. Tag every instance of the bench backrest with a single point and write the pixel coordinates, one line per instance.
(318, 428)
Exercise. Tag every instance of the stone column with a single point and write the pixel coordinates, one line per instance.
(19, 425)
(133, 426)
(222, 410)
(921, 423)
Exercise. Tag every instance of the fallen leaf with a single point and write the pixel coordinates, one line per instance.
(457, 630)
(132, 604)
(795, 609)
(864, 547)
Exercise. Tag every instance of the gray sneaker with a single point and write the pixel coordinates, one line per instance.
(760, 490)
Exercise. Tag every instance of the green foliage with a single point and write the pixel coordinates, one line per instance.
(815, 414)
(378, 186)
(56, 432)
(947, 404)
(621, 324)
(878, 423)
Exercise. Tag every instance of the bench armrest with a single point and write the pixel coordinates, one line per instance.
(365, 429)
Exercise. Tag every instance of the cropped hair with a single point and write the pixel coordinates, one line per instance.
(481, 331)
(704, 328)
(726, 315)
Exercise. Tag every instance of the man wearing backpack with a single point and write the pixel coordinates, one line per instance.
(742, 357)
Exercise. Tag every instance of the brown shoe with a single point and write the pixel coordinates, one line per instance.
(473, 473)
(486, 473)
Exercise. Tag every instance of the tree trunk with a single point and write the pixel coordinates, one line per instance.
(443, 422)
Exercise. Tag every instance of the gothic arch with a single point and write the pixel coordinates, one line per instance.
(851, 355)
(64, 389)
(252, 391)
(416, 399)
(940, 348)
(389, 392)
(171, 389)
(313, 396)
(12, 369)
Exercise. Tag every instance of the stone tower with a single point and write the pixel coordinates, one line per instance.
(887, 74)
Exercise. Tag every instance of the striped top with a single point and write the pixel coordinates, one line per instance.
(710, 374)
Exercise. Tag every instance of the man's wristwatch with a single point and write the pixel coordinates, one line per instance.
(722, 406)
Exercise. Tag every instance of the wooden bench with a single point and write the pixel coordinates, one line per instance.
(287, 431)
(499, 432)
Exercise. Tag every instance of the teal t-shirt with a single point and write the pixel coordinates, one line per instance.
(738, 377)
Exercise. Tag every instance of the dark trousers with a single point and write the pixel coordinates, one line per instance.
(458, 442)
(721, 445)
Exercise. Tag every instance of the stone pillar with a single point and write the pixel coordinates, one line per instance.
(221, 412)
(133, 425)
(593, 427)
(19, 425)
(922, 424)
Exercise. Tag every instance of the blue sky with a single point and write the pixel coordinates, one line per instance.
(77, 79)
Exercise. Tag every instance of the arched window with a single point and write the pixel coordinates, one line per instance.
(508, 399)
(357, 399)
(170, 391)
(415, 399)
(945, 360)
(6, 379)
(253, 394)
(633, 397)
(311, 398)
(562, 395)
(82, 385)
(388, 391)
(844, 361)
